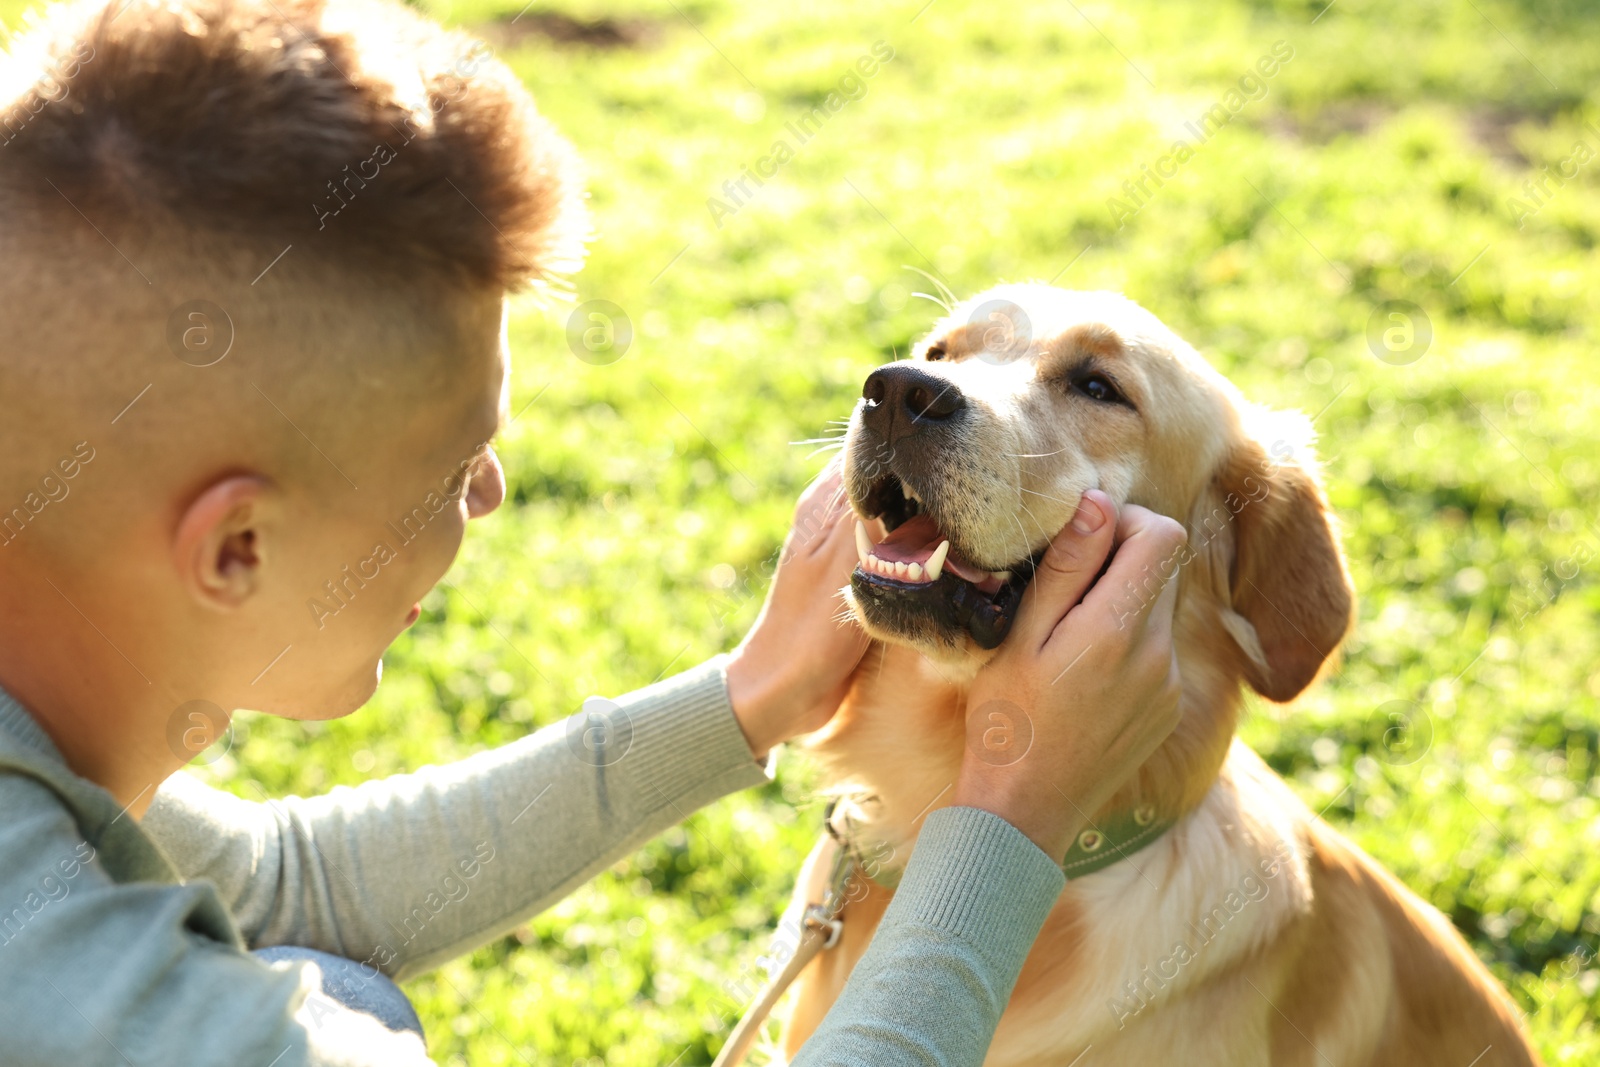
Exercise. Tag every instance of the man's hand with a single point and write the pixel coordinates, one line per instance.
(789, 674)
(1088, 670)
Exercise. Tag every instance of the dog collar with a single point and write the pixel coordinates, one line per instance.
(1112, 839)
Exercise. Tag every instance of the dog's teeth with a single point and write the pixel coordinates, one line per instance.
(1004, 576)
(906, 489)
(914, 572)
(936, 561)
(900, 569)
(863, 543)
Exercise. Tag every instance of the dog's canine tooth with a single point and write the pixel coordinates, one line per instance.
(936, 561)
(1004, 576)
(863, 543)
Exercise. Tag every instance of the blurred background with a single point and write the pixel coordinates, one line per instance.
(1384, 215)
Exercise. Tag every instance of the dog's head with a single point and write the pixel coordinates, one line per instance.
(974, 453)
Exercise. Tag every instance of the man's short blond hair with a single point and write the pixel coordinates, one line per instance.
(356, 130)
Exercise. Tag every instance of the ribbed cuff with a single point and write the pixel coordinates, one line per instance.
(978, 878)
(688, 745)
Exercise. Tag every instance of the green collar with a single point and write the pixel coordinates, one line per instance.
(1114, 838)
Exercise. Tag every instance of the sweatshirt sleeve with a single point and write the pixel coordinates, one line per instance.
(409, 871)
(930, 988)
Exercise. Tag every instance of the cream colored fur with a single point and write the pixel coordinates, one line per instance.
(1317, 957)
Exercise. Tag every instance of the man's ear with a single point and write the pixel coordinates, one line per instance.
(217, 546)
(1292, 598)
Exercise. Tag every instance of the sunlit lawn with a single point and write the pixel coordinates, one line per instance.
(1377, 163)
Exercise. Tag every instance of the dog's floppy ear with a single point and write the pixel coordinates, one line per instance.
(1291, 594)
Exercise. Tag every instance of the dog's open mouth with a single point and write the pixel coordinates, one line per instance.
(915, 568)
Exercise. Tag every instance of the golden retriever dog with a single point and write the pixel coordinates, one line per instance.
(1249, 932)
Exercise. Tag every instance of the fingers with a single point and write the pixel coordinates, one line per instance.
(1067, 568)
(819, 514)
(1167, 602)
(1138, 586)
(825, 492)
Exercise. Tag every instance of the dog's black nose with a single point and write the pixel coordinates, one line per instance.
(904, 394)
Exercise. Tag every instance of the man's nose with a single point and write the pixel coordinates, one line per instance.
(902, 399)
(486, 484)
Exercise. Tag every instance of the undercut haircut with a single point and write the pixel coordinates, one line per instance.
(360, 132)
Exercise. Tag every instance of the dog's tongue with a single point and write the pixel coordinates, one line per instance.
(914, 540)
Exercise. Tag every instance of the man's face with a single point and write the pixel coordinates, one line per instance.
(357, 557)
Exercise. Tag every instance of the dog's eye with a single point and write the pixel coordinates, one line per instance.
(934, 353)
(1098, 387)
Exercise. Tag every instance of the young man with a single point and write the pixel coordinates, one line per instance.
(256, 259)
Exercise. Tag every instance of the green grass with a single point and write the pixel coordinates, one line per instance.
(646, 494)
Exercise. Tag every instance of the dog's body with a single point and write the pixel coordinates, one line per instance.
(1250, 933)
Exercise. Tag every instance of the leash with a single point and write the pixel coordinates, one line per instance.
(1114, 839)
(820, 929)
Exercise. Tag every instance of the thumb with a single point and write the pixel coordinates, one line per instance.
(1068, 567)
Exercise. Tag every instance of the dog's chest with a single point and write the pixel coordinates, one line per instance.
(893, 752)
(1147, 939)
(1151, 940)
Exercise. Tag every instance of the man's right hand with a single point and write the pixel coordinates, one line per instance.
(1089, 667)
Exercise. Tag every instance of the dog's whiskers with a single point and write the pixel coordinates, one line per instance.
(1046, 533)
(949, 302)
(1025, 543)
(1047, 496)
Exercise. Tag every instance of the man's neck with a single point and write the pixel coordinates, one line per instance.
(109, 730)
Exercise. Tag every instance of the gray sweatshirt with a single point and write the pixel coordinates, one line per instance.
(123, 942)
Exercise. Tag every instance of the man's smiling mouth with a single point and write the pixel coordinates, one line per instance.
(915, 568)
